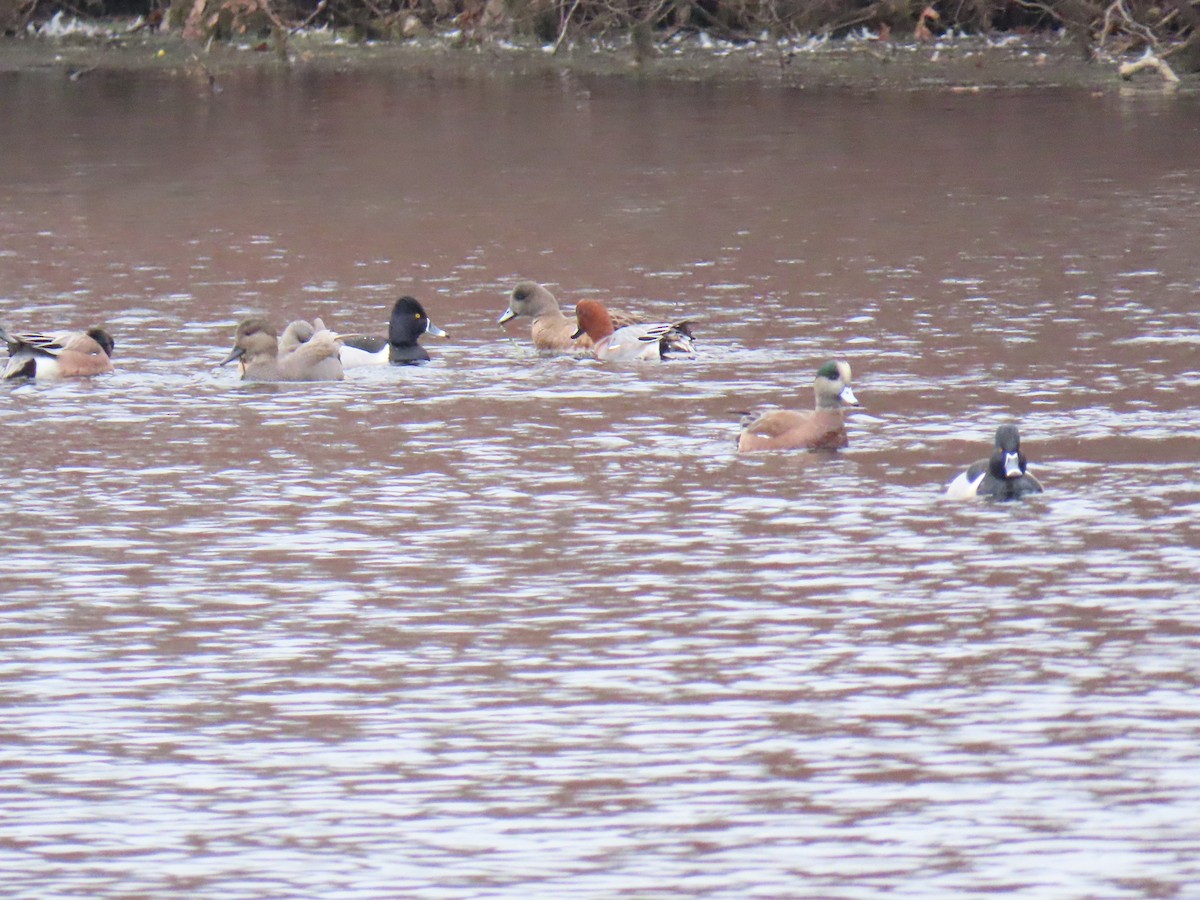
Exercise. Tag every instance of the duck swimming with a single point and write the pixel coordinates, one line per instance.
(552, 331)
(256, 347)
(820, 428)
(646, 341)
(58, 354)
(1001, 476)
(407, 324)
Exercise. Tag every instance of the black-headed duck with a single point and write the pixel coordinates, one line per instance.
(1001, 476)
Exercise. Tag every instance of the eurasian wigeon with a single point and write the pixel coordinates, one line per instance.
(821, 428)
(1001, 476)
(552, 330)
(648, 341)
(256, 347)
(58, 354)
(400, 348)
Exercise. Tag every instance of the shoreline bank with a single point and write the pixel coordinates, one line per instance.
(957, 64)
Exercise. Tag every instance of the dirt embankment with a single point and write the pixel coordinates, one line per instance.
(961, 64)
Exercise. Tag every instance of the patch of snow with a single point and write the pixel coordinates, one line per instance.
(861, 35)
(61, 26)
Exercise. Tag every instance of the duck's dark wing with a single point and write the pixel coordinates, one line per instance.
(977, 468)
(368, 343)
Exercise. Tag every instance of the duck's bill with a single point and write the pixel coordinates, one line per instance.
(508, 316)
(579, 332)
(238, 353)
(1012, 465)
(847, 397)
(430, 328)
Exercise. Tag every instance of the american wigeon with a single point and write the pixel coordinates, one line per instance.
(821, 428)
(400, 348)
(256, 347)
(552, 330)
(661, 340)
(1001, 476)
(58, 354)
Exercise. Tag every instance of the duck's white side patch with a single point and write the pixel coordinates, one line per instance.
(354, 357)
(963, 489)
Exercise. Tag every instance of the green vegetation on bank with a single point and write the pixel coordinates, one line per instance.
(1170, 28)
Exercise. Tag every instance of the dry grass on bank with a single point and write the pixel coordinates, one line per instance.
(1169, 31)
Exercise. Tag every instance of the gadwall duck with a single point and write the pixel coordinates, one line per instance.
(256, 347)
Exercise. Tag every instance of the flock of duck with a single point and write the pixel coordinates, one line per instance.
(311, 352)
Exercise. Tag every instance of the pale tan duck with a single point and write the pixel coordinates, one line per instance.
(301, 332)
(821, 428)
(552, 329)
(256, 347)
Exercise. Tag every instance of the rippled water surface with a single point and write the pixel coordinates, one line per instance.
(513, 626)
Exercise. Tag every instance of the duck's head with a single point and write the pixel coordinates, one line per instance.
(1007, 459)
(832, 385)
(255, 336)
(528, 298)
(594, 320)
(103, 338)
(409, 321)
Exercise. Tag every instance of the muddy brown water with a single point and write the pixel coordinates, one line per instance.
(512, 626)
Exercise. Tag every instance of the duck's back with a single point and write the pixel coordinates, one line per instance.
(645, 341)
(314, 360)
(626, 344)
(784, 429)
